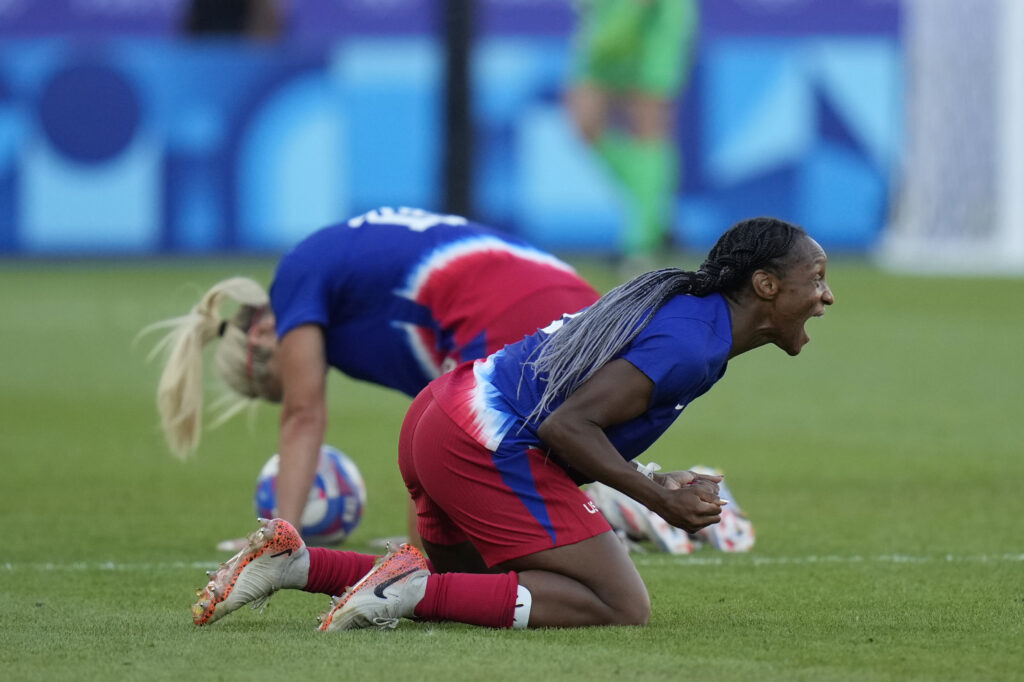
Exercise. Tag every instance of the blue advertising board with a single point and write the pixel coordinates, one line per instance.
(119, 135)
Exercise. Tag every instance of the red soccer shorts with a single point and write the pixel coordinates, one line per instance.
(460, 493)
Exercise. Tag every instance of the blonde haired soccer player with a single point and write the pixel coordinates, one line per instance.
(395, 297)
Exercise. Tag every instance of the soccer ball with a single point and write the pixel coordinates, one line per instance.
(336, 500)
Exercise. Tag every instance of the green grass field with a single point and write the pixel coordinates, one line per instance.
(882, 469)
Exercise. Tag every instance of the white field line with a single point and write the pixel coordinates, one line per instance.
(754, 560)
(106, 566)
(640, 559)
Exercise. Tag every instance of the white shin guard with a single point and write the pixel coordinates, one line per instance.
(524, 601)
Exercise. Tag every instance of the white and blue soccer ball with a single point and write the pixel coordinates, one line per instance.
(336, 500)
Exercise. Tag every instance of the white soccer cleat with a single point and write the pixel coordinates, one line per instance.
(389, 592)
(274, 557)
(667, 537)
(735, 532)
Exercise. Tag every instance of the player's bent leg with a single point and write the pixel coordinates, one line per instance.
(275, 557)
(401, 586)
(332, 571)
(592, 582)
(459, 558)
(585, 584)
(588, 582)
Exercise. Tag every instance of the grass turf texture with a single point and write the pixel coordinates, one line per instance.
(881, 468)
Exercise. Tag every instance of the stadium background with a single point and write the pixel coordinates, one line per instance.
(882, 467)
(118, 135)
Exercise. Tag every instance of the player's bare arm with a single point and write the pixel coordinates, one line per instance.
(615, 394)
(303, 369)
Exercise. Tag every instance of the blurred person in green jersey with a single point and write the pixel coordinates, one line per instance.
(631, 60)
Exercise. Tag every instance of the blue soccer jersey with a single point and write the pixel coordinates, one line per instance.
(403, 294)
(684, 350)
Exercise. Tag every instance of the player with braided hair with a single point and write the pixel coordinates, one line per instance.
(570, 359)
(493, 453)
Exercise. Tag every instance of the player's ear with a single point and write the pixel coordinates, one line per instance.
(764, 284)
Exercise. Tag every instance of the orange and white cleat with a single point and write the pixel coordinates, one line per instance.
(274, 557)
(388, 593)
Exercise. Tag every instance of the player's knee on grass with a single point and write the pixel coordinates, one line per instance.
(632, 608)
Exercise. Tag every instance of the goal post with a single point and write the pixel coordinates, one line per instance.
(959, 200)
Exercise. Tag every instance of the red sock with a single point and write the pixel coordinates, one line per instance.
(487, 599)
(331, 570)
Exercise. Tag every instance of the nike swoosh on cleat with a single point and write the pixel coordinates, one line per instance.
(679, 407)
(379, 590)
(287, 551)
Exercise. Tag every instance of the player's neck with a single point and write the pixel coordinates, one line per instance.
(750, 328)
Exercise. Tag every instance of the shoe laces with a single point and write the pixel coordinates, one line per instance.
(386, 623)
(261, 603)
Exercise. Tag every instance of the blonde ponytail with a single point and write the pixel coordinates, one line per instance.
(179, 395)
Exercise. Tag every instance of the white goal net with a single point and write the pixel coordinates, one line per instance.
(959, 202)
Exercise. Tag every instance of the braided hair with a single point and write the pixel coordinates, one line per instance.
(591, 339)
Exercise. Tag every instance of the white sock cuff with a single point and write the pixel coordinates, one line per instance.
(524, 601)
